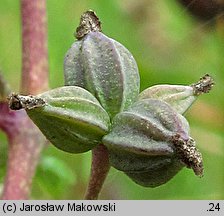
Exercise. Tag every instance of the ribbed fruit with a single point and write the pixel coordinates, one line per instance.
(146, 143)
(71, 119)
(105, 68)
(179, 97)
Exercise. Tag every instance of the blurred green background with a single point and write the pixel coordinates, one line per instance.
(171, 47)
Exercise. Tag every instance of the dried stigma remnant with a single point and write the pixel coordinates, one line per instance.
(17, 102)
(204, 85)
(89, 22)
(189, 154)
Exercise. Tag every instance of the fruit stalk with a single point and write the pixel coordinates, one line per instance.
(99, 169)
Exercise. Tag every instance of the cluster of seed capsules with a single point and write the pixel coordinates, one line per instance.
(146, 134)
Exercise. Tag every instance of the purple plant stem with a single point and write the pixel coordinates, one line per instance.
(99, 170)
(25, 145)
(25, 140)
(34, 48)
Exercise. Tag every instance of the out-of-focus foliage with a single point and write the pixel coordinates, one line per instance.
(169, 47)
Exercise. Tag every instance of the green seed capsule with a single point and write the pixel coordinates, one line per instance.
(150, 142)
(70, 117)
(102, 66)
(180, 97)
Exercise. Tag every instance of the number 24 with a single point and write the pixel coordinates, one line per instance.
(214, 206)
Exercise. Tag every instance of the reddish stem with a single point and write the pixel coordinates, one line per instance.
(99, 170)
(34, 48)
(25, 139)
(25, 145)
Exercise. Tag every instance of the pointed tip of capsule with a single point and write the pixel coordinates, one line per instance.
(18, 102)
(189, 154)
(198, 169)
(89, 22)
(204, 85)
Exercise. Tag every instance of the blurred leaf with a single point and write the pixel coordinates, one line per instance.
(54, 176)
(3, 155)
(58, 168)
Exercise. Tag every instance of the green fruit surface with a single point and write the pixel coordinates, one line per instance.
(180, 97)
(105, 68)
(141, 142)
(72, 119)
